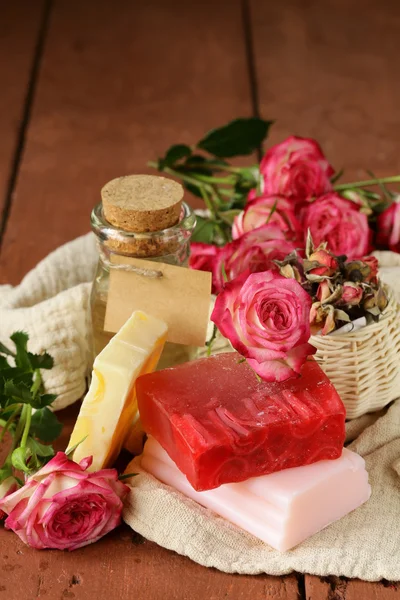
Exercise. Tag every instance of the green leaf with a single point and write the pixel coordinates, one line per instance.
(273, 209)
(238, 138)
(193, 189)
(204, 231)
(200, 164)
(5, 472)
(19, 392)
(44, 400)
(40, 449)
(20, 339)
(196, 164)
(3, 363)
(41, 361)
(20, 458)
(5, 350)
(69, 452)
(176, 153)
(45, 425)
(337, 176)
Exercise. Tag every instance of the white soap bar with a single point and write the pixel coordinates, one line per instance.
(281, 509)
(110, 408)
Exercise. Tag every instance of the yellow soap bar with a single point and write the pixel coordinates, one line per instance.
(110, 408)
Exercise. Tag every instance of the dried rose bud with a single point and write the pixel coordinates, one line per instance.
(317, 313)
(369, 301)
(323, 291)
(351, 294)
(357, 270)
(373, 264)
(291, 272)
(330, 323)
(381, 299)
(322, 263)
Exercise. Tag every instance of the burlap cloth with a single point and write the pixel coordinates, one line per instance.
(52, 305)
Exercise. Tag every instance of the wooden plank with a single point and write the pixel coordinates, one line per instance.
(119, 82)
(20, 22)
(326, 70)
(338, 588)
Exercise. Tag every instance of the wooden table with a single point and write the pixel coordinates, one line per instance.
(93, 89)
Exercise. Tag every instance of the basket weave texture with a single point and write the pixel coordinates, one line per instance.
(364, 366)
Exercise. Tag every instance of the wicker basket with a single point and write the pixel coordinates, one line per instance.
(364, 366)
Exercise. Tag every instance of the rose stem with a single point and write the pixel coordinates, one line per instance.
(367, 182)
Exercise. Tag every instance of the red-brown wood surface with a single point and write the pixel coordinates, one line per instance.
(116, 84)
(329, 70)
(20, 23)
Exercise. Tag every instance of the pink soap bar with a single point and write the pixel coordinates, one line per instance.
(281, 509)
(219, 424)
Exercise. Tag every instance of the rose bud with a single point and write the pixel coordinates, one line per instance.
(317, 313)
(373, 264)
(351, 294)
(369, 301)
(330, 323)
(357, 271)
(323, 291)
(291, 272)
(327, 263)
(297, 169)
(381, 299)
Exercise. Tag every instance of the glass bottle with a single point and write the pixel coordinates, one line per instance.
(170, 245)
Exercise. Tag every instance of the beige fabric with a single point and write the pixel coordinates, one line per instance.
(364, 544)
(52, 305)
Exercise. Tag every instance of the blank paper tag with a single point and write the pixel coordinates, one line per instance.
(181, 298)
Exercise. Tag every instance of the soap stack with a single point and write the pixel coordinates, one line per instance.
(268, 457)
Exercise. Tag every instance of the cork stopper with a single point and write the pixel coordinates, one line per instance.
(142, 203)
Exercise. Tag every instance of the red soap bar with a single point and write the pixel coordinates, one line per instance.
(219, 424)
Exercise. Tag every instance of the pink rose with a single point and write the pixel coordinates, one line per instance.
(273, 210)
(389, 227)
(62, 506)
(338, 222)
(203, 258)
(253, 252)
(7, 487)
(296, 168)
(266, 318)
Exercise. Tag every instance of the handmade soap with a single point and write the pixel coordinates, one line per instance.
(281, 509)
(110, 407)
(220, 424)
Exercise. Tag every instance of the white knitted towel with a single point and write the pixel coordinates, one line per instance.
(52, 305)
